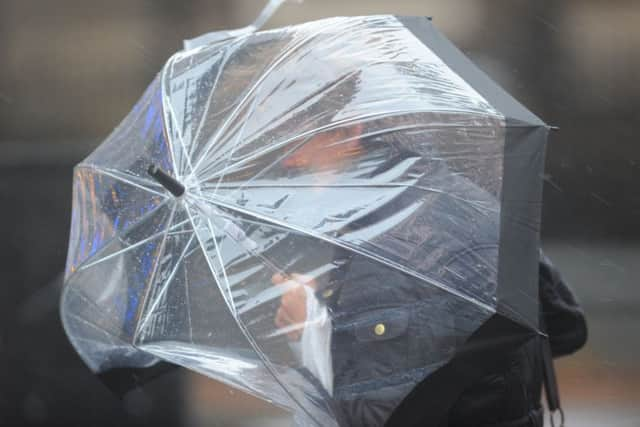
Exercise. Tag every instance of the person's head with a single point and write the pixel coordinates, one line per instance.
(326, 151)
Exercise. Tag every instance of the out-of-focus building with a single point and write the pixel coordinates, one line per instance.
(71, 69)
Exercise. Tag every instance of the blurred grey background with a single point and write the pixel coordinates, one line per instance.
(70, 70)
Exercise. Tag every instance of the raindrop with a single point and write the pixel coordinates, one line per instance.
(601, 199)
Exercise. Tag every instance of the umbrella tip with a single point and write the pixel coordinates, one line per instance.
(167, 181)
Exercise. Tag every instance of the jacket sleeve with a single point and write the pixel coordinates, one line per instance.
(496, 399)
(561, 314)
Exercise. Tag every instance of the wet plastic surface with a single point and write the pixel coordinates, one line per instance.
(347, 198)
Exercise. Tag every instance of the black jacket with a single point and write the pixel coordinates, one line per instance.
(423, 325)
(373, 373)
(510, 395)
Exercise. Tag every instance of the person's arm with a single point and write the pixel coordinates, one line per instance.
(300, 309)
(564, 319)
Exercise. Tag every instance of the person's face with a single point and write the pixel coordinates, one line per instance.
(327, 152)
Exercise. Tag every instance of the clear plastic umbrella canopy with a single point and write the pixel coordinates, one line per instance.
(324, 215)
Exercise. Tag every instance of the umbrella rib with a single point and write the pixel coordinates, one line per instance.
(288, 112)
(265, 169)
(130, 247)
(186, 290)
(285, 54)
(224, 271)
(96, 327)
(155, 266)
(185, 152)
(124, 177)
(165, 101)
(240, 133)
(382, 131)
(267, 363)
(311, 132)
(299, 105)
(349, 247)
(95, 306)
(477, 205)
(254, 253)
(165, 286)
(257, 175)
(119, 234)
(345, 122)
(207, 258)
(272, 148)
(225, 58)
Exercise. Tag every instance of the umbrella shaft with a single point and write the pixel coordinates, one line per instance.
(166, 180)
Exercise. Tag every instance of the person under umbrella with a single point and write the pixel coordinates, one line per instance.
(343, 351)
(406, 236)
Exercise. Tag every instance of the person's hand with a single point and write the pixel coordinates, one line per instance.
(293, 303)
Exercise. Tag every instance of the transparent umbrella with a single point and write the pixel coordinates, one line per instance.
(329, 216)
